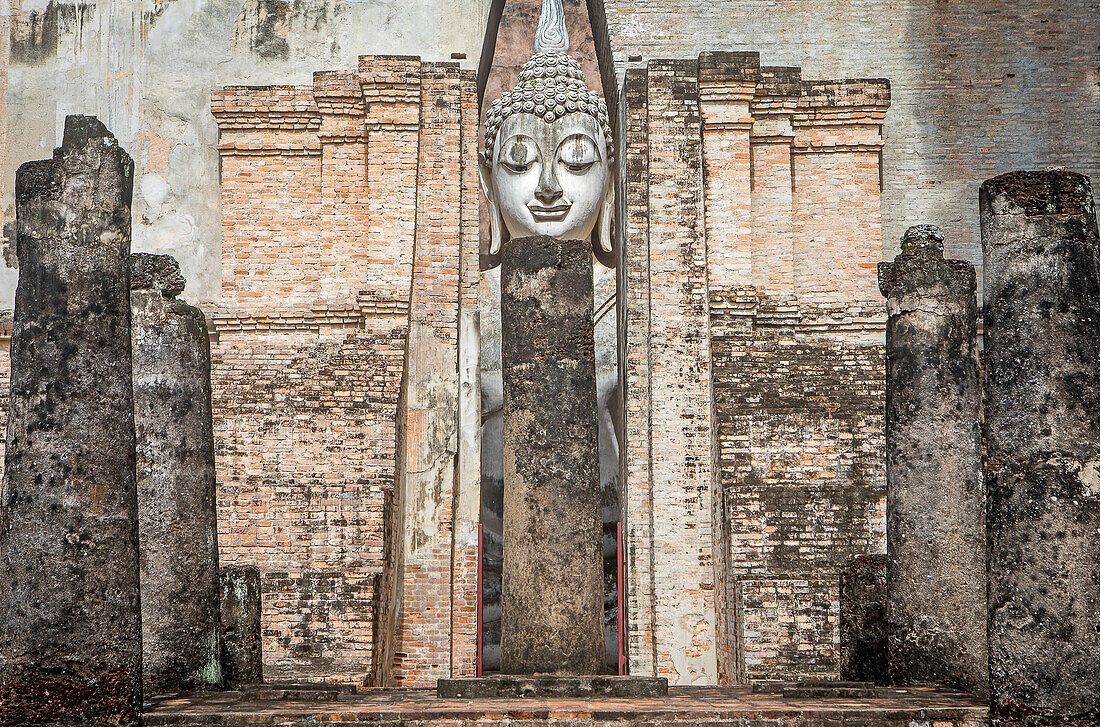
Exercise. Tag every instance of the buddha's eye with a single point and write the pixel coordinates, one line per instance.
(578, 153)
(518, 154)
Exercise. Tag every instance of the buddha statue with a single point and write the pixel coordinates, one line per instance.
(547, 164)
(547, 168)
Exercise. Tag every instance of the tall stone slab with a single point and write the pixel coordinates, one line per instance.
(177, 513)
(70, 620)
(935, 503)
(727, 83)
(635, 372)
(1042, 438)
(241, 609)
(864, 655)
(552, 617)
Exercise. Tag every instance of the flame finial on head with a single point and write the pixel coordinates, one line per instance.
(552, 36)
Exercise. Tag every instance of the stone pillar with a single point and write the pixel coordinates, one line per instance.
(70, 635)
(681, 438)
(553, 569)
(241, 607)
(177, 515)
(935, 505)
(863, 640)
(1042, 437)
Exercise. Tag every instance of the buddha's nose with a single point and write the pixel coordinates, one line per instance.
(548, 191)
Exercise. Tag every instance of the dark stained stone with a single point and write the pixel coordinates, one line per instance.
(552, 619)
(180, 610)
(546, 686)
(1042, 438)
(156, 272)
(70, 621)
(863, 640)
(935, 504)
(242, 648)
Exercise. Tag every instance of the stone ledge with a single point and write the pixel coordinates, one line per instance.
(817, 689)
(539, 686)
(683, 707)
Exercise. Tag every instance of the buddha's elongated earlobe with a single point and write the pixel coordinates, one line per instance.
(603, 226)
(496, 229)
(496, 224)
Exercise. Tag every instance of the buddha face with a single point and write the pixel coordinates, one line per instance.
(550, 179)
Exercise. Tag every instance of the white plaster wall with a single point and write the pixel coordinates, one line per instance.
(147, 68)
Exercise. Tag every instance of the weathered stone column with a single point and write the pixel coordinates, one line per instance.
(178, 522)
(70, 620)
(552, 617)
(242, 647)
(935, 505)
(1042, 436)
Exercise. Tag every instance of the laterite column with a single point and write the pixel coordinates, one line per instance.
(935, 505)
(553, 569)
(1042, 435)
(70, 630)
(178, 521)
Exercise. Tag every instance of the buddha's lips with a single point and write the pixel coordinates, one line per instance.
(556, 213)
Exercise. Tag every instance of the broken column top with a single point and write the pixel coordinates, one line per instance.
(37, 178)
(922, 250)
(1047, 192)
(80, 129)
(156, 272)
(919, 238)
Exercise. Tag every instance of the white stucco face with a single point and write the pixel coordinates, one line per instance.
(550, 179)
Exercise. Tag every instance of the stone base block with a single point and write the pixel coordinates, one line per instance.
(296, 691)
(551, 686)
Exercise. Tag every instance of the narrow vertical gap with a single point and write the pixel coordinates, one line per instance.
(488, 49)
(597, 18)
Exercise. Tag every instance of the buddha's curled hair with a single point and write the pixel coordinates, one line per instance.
(550, 86)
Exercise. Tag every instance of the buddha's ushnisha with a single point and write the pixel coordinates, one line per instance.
(546, 169)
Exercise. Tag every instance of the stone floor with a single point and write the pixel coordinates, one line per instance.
(683, 707)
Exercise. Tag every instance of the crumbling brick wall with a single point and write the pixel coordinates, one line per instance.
(773, 425)
(800, 442)
(347, 210)
(305, 444)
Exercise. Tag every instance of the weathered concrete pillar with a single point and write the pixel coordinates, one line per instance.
(242, 647)
(1042, 436)
(552, 617)
(863, 639)
(70, 620)
(178, 522)
(935, 504)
